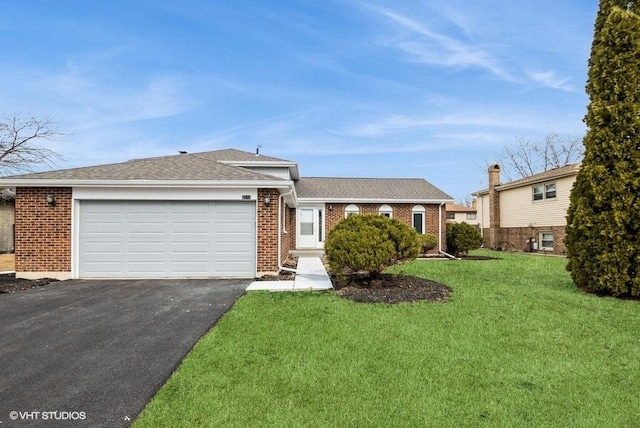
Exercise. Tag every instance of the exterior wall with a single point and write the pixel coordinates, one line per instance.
(522, 218)
(288, 232)
(462, 218)
(43, 232)
(402, 212)
(518, 209)
(483, 212)
(267, 218)
(7, 220)
(518, 238)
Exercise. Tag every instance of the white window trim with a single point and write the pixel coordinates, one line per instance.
(540, 240)
(544, 191)
(419, 209)
(386, 209)
(351, 209)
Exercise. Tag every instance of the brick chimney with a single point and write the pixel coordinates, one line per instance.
(494, 206)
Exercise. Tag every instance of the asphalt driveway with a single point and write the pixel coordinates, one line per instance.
(97, 351)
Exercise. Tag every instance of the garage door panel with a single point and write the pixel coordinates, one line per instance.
(190, 247)
(123, 239)
(147, 247)
(200, 227)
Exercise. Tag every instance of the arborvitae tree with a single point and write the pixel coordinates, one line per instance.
(603, 221)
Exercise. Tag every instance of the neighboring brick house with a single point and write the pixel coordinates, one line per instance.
(528, 214)
(462, 214)
(224, 213)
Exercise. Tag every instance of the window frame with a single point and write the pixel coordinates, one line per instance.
(542, 241)
(544, 191)
(351, 209)
(419, 210)
(386, 211)
(472, 216)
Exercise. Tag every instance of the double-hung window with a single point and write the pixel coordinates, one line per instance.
(546, 241)
(544, 191)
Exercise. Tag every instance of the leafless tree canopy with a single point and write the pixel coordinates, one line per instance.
(23, 143)
(531, 157)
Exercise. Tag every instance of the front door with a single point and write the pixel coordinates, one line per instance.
(310, 228)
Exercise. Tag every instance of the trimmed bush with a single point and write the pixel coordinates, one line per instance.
(428, 242)
(462, 238)
(368, 244)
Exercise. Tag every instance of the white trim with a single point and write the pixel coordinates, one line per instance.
(386, 209)
(163, 194)
(351, 209)
(61, 182)
(419, 209)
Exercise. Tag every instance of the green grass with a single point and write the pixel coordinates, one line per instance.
(516, 345)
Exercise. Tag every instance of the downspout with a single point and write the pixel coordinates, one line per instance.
(280, 202)
(440, 234)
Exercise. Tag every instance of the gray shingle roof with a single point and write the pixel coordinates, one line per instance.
(390, 189)
(552, 174)
(197, 166)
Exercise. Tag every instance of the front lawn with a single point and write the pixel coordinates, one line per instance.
(515, 345)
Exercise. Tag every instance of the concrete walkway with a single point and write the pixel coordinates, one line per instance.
(311, 276)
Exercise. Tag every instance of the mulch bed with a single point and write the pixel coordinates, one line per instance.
(10, 284)
(390, 288)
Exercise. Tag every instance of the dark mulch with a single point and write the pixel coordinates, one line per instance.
(10, 284)
(390, 288)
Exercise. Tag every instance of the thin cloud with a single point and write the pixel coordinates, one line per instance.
(429, 47)
(551, 80)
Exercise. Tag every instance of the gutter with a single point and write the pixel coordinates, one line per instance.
(280, 202)
(440, 235)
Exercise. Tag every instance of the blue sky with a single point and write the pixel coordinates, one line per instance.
(430, 89)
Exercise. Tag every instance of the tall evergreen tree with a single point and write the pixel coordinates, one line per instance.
(603, 221)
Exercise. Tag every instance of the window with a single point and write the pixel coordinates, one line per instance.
(351, 210)
(418, 212)
(550, 191)
(537, 192)
(471, 216)
(451, 216)
(546, 241)
(544, 191)
(386, 211)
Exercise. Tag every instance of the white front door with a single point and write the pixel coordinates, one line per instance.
(310, 228)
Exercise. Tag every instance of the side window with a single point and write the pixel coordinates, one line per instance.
(351, 210)
(544, 191)
(386, 211)
(546, 240)
(538, 192)
(418, 214)
(550, 191)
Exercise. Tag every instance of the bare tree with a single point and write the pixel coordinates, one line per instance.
(531, 157)
(22, 143)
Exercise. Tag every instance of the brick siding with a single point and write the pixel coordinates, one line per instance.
(402, 212)
(43, 232)
(516, 238)
(268, 231)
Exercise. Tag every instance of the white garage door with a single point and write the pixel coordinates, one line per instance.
(153, 239)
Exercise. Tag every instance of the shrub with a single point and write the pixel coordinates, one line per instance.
(462, 238)
(428, 242)
(369, 244)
